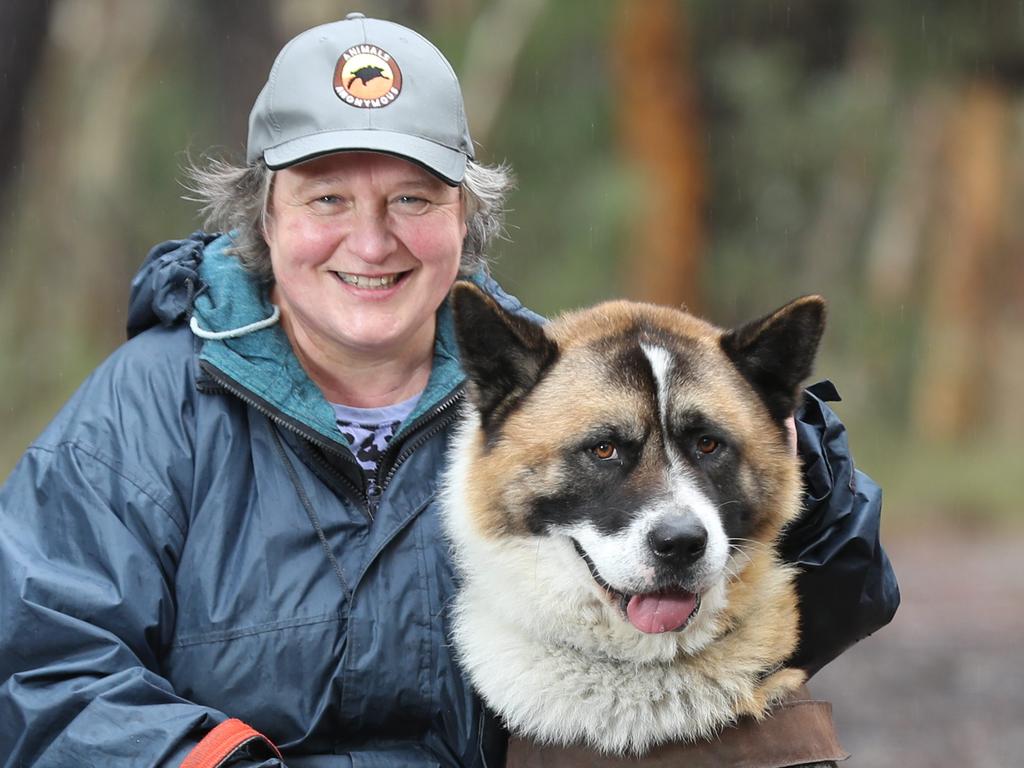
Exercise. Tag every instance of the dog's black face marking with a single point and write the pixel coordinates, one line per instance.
(603, 492)
(596, 490)
(717, 465)
(688, 432)
(608, 507)
(630, 368)
(629, 364)
(627, 441)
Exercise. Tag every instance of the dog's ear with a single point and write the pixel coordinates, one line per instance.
(776, 352)
(503, 354)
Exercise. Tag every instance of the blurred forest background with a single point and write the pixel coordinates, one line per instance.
(726, 155)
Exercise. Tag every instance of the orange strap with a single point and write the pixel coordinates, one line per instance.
(220, 743)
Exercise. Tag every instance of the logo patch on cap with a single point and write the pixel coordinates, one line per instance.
(366, 76)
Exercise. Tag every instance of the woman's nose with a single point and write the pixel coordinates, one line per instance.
(370, 236)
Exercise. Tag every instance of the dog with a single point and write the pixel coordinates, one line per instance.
(614, 495)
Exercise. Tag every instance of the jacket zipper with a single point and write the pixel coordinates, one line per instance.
(253, 401)
(413, 442)
(375, 485)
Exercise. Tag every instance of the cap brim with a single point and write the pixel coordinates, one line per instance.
(448, 164)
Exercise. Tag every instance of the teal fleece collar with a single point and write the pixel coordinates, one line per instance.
(263, 361)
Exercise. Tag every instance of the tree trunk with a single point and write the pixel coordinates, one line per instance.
(25, 23)
(949, 394)
(659, 129)
(894, 251)
(243, 39)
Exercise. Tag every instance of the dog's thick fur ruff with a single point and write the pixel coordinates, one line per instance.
(549, 647)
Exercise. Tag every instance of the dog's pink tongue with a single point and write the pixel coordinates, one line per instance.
(660, 612)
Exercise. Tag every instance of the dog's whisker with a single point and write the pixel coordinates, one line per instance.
(732, 574)
(749, 543)
(740, 565)
(742, 559)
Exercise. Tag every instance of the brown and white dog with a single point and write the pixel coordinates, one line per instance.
(614, 497)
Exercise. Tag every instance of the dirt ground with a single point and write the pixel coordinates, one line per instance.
(943, 685)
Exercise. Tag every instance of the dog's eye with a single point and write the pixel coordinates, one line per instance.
(707, 445)
(605, 451)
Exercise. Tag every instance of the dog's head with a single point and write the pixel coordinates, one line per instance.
(648, 442)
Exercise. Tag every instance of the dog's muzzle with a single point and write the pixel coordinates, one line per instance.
(669, 610)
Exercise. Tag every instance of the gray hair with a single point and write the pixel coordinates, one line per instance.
(236, 199)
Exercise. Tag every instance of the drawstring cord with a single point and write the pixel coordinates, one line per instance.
(234, 333)
(310, 511)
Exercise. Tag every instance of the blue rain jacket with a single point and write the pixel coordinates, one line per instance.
(191, 540)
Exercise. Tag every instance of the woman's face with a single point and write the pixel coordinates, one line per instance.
(364, 249)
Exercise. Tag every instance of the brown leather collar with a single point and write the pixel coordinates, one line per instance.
(797, 732)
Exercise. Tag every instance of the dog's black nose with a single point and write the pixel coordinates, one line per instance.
(680, 539)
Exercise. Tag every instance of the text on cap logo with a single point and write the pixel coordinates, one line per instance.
(367, 76)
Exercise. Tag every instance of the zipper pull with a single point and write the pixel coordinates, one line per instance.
(373, 493)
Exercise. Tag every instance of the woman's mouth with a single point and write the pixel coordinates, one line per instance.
(372, 282)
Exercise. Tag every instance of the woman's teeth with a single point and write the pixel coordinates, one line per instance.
(363, 281)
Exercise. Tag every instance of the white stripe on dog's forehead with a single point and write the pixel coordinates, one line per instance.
(661, 366)
(685, 494)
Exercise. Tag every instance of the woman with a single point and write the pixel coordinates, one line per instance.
(230, 529)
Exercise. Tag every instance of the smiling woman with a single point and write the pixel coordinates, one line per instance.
(252, 498)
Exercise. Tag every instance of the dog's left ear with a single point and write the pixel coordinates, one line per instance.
(776, 352)
(503, 354)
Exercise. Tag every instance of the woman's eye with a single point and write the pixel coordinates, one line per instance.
(605, 451)
(327, 200)
(707, 445)
(407, 203)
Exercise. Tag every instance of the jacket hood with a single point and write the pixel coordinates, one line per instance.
(166, 284)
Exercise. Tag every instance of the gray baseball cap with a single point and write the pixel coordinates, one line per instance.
(361, 84)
